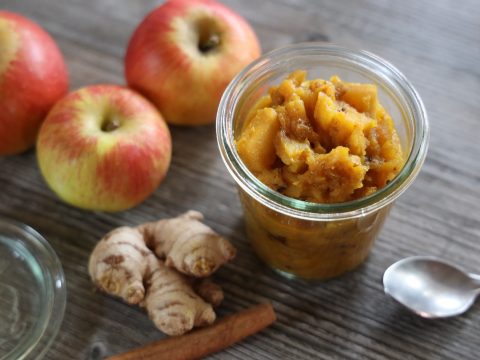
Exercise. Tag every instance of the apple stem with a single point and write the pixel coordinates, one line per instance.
(212, 42)
(111, 125)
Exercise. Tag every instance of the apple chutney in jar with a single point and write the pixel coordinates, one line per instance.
(319, 161)
(318, 141)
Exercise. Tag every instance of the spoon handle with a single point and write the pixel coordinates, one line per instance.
(476, 279)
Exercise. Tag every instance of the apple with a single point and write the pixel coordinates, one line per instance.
(104, 147)
(183, 55)
(33, 76)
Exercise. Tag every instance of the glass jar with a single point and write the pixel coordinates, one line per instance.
(311, 240)
(32, 292)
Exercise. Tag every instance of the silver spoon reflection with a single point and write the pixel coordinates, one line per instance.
(431, 287)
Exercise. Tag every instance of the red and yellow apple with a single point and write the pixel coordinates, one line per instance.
(33, 77)
(183, 55)
(104, 147)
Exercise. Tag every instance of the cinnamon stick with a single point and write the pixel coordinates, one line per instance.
(208, 340)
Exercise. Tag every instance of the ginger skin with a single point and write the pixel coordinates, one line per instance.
(148, 266)
(171, 302)
(118, 264)
(187, 244)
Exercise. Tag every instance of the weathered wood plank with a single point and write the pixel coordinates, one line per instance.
(436, 45)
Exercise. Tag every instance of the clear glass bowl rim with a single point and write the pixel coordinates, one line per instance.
(41, 341)
(314, 211)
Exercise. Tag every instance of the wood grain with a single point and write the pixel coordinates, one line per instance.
(199, 343)
(435, 43)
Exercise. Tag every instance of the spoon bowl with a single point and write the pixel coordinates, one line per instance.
(431, 287)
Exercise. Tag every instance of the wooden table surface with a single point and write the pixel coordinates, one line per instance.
(436, 44)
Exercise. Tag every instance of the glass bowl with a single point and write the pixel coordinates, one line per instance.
(32, 292)
(311, 240)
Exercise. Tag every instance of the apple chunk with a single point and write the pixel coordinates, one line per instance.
(363, 97)
(256, 144)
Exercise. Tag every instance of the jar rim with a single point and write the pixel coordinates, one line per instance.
(322, 211)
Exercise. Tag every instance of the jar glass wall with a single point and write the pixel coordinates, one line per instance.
(311, 240)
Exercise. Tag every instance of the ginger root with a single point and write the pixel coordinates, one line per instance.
(148, 265)
(187, 244)
(171, 302)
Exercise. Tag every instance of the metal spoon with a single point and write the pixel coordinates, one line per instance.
(431, 287)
